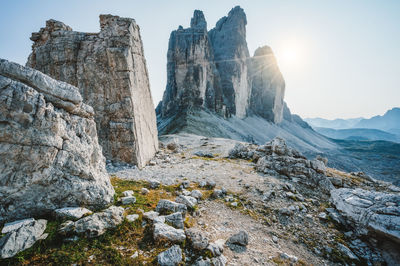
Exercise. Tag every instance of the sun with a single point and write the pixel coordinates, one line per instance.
(291, 54)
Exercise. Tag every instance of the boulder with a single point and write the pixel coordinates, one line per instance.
(167, 206)
(95, 224)
(216, 248)
(238, 242)
(175, 219)
(170, 257)
(164, 232)
(22, 238)
(109, 68)
(49, 152)
(369, 211)
(197, 239)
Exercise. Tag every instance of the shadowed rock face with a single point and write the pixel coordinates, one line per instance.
(110, 71)
(214, 71)
(49, 153)
(268, 86)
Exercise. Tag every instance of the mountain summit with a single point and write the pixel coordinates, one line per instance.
(213, 71)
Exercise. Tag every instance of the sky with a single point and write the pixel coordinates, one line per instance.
(340, 59)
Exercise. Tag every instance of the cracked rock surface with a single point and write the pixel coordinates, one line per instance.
(48, 147)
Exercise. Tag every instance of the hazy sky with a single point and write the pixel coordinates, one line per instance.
(339, 58)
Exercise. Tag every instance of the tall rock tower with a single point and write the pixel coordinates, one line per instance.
(110, 70)
(213, 71)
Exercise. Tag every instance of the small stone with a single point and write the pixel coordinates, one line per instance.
(275, 239)
(144, 191)
(219, 261)
(135, 255)
(211, 184)
(289, 257)
(234, 204)
(217, 193)
(127, 193)
(196, 194)
(133, 217)
(322, 216)
(170, 257)
(345, 250)
(128, 200)
(73, 213)
(154, 184)
(189, 201)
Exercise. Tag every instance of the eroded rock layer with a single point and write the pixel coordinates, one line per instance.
(110, 71)
(214, 71)
(49, 151)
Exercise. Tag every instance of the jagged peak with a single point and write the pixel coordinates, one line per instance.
(263, 50)
(198, 20)
(235, 16)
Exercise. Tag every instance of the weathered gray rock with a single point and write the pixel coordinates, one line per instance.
(196, 194)
(368, 211)
(127, 193)
(167, 206)
(346, 251)
(12, 226)
(170, 257)
(189, 201)
(175, 219)
(71, 213)
(164, 232)
(49, 153)
(132, 217)
(197, 239)
(95, 224)
(238, 242)
(151, 215)
(22, 238)
(110, 71)
(275, 157)
(128, 200)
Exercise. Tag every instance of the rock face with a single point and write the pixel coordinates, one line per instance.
(214, 71)
(110, 71)
(369, 210)
(49, 152)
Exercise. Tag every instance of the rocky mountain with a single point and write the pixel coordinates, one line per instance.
(110, 71)
(390, 121)
(49, 152)
(357, 134)
(213, 71)
(338, 123)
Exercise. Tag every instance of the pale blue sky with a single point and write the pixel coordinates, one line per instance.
(344, 55)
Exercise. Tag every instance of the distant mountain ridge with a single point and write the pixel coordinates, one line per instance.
(380, 127)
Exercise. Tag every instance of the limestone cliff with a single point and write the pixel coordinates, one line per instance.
(110, 70)
(213, 71)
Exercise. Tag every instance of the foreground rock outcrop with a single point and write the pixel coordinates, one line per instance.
(49, 152)
(214, 71)
(370, 211)
(110, 71)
